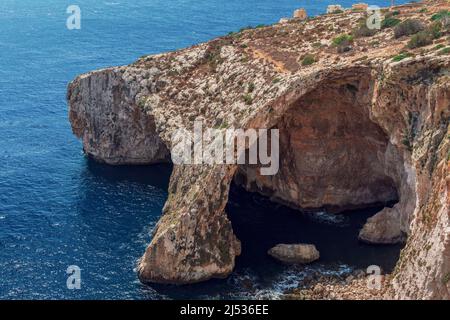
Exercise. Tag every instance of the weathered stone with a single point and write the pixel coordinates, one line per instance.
(333, 8)
(113, 128)
(383, 228)
(300, 14)
(295, 253)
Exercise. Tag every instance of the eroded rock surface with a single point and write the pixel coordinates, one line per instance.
(356, 128)
(113, 128)
(383, 228)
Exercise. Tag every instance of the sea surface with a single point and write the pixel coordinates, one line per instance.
(58, 209)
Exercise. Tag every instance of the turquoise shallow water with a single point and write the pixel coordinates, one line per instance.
(58, 209)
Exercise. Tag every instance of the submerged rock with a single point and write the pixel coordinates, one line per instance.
(295, 253)
(383, 228)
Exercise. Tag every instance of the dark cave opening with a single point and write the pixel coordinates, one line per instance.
(260, 224)
(336, 171)
(332, 155)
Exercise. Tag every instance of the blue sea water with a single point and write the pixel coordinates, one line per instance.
(57, 208)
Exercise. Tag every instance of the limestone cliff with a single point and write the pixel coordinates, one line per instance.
(360, 123)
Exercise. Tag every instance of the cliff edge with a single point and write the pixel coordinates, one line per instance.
(363, 118)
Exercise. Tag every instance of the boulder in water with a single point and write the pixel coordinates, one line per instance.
(383, 228)
(295, 253)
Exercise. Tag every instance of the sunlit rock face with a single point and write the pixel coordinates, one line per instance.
(113, 128)
(356, 128)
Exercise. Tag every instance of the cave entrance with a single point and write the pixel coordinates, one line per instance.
(334, 174)
(331, 154)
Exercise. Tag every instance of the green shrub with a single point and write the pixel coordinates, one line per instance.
(248, 99)
(439, 46)
(401, 56)
(446, 279)
(423, 10)
(444, 51)
(251, 87)
(308, 60)
(342, 39)
(343, 42)
(337, 12)
(435, 29)
(421, 39)
(440, 15)
(363, 31)
(389, 22)
(408, 27)
(425, 37)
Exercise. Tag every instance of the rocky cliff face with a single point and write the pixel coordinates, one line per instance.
(356, 128)
(113, 129)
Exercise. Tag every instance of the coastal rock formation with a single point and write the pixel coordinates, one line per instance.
(334, 156)
(362, 127)
(383, 228)
(113, 128)
(295, 253)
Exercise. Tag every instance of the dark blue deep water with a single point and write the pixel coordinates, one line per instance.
(59, 209)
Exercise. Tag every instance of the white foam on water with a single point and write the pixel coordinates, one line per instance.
(287, 280)
(329, 218)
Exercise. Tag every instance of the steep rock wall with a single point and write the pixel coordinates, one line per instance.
(113, 128)
(129, 113)
(334, 156)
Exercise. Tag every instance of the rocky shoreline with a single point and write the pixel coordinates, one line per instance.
(349, 287)
(363, 118)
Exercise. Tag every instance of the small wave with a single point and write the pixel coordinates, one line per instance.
(247, 285)
(328, 218)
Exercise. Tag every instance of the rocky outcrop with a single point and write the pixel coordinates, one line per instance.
(383, 228)
(300, 14)
(295, 253)
(324, 137)
(193, 239)
(356, 128)
(113, 128)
